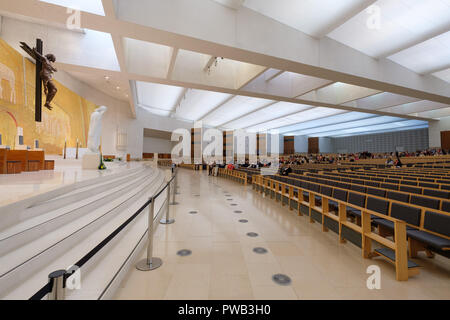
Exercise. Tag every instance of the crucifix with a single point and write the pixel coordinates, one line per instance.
(44, 76)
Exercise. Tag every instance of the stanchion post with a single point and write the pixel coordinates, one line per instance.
(56, 280)
(150, 263)
(174, 203)
(167, 219)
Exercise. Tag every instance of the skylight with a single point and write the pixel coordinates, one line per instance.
(91, 6)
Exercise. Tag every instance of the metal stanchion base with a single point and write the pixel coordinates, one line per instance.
(144, 266)
(165, 221)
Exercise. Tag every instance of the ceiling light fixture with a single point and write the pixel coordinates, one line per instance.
(213, 61)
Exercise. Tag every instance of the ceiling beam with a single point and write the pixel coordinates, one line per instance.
(278, 118)
(416, 42)
(252, 78)
(322, 132)
(248, 113)
(136, 77)
(173, 59)
(325, 117)
(315, 89)
(108, 7)
(431, 88)
(348, 15)
(217, 107)
(273, 76)
(180, 98)
(441, 68)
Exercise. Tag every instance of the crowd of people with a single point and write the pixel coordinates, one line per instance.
(286, 162)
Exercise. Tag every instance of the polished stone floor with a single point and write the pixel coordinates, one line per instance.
(223, 265)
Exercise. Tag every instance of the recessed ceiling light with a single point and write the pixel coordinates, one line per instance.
(107, 78)
(117, 88)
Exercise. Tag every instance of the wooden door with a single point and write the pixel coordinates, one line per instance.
(289, 145)
(313, 145)
(445, 140)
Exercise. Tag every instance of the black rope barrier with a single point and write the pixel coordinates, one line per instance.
(39, 295)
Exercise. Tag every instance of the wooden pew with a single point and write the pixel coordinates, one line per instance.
(278, 189)
(423, 188)
(442, 204)
(235, 175)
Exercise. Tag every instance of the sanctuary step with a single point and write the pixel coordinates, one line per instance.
(55, 232)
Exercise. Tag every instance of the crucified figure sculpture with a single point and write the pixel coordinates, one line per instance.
(46, 73)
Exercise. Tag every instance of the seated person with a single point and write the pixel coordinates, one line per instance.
(285, 171)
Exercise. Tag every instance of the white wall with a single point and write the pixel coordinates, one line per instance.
(301, 144)
(434, 131)
(155, 145)
(325, 145)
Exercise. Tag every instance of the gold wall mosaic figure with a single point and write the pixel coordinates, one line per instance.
(67, 120)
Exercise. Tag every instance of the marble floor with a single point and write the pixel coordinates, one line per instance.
(223, 265)
(16, 187)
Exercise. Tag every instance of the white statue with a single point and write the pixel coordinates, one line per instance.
(95, 129)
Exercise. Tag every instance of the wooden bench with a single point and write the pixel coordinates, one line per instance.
(377, 210)
(235, 175)
(403, 195)
(405, 186)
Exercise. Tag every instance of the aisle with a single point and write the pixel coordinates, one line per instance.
(213, 221)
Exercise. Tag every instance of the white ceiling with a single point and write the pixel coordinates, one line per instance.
(412, 33)
(313, 17)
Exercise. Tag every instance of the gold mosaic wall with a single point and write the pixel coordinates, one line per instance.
(69, 118)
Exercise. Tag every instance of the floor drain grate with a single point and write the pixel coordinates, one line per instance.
(252, 234)
(193, 212)
(237, 211)
(243, 221)
(184, 253)
(233, 204)
(260, 250)
(281, 279)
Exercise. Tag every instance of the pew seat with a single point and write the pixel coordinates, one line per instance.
(433, 242)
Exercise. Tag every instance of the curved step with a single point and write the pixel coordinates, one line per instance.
(31, 229)
(77, 194)
(76, 236)
(11, 214)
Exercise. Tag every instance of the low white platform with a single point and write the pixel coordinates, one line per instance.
(53, 229)
(16, 187)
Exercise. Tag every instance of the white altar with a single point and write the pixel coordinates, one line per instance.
(71, 152)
